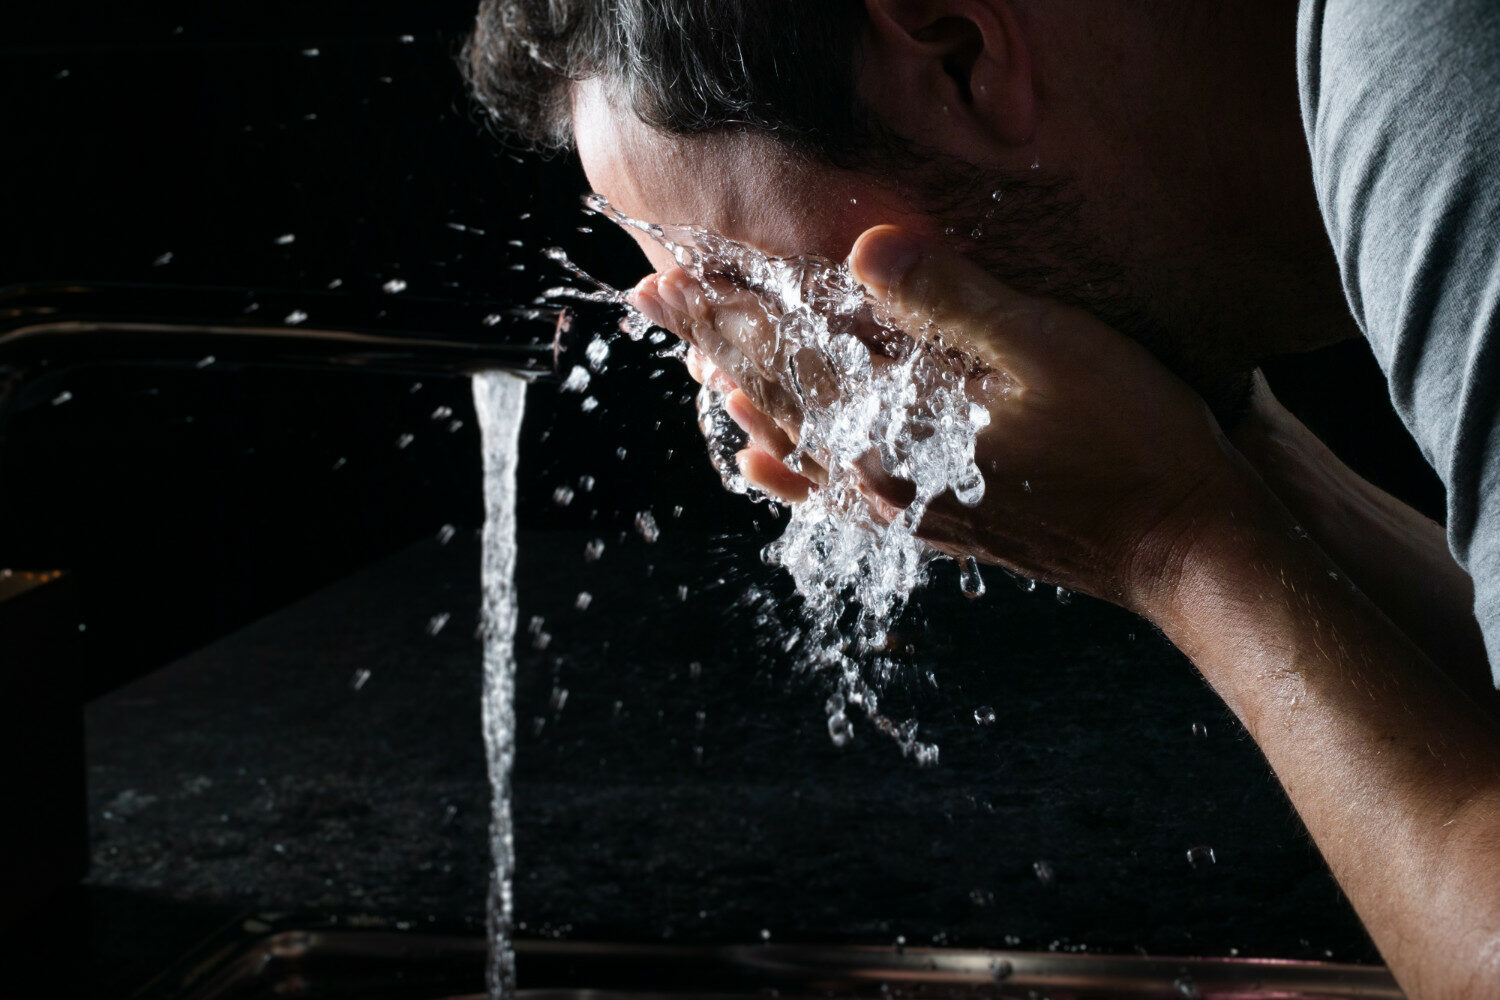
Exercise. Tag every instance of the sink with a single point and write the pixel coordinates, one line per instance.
(256, 959)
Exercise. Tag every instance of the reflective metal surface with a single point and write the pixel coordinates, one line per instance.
(339, 963)
(63, 324)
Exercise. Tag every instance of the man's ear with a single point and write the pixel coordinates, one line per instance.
(954, 75)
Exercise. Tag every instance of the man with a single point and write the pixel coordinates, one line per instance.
(1114, 205)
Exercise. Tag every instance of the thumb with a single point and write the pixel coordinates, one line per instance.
(943, 297)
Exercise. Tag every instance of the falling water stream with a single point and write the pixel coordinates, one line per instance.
(499, 402)
(864, 388)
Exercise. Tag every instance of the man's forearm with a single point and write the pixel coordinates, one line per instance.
(1398, 557)
(1395, 772)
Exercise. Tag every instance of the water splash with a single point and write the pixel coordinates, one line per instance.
(499, 401)
(866, 394)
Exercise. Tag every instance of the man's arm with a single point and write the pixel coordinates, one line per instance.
(1395, 555)
(1394, 771)
(1132, 493)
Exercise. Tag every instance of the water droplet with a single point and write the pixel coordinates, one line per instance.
(593, 550)
(204, 362)
(589, 404)
(295, 318)
(286, 239)
(360, 679)
(163, 260)
(583, 600)
(1064, 596)
(1200, 730)
(984, 715)
(996, 195)
(558, 699)
(645, 526)
(1000, 968)
(1186, 988)
(765, 934)
(1201, 856)
(445, 534)
(394, 287)
(840, 729)
(63, 397)
(695, 670)
(577, 380)
(969, 579)
(970, 487)
(597, 353)
(404, 441)
(311, 53)
(437, 622)
(586, 483)
(562, 496)
(1044, 872)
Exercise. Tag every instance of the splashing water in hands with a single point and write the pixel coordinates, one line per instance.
(857, 395)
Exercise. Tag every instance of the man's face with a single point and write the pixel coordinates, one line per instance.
(1178, 242)
(744, 187)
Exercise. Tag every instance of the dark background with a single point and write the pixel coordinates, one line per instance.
(186, 503)
(208, 131)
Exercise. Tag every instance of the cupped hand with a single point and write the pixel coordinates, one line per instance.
(1099, 463)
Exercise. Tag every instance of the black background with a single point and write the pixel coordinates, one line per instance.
(189, 501)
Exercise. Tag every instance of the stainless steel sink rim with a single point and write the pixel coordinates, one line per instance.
(287, 960)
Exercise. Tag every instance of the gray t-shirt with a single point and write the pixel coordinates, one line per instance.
(1401, 101)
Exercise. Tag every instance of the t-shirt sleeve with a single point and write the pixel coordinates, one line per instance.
(1401, 102)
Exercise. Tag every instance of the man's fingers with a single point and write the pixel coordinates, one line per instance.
(940, 296)
(761, 428)
(767, 473)
(705, 372)
(771, 437)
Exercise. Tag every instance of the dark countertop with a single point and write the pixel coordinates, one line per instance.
(258, 774)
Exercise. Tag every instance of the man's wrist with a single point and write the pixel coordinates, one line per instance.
(1207, 549)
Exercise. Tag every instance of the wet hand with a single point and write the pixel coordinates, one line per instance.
(1098, 462)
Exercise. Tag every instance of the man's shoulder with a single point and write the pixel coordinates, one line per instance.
(1427, 49)
(1401, 103)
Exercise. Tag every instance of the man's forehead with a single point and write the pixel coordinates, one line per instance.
(743, 186)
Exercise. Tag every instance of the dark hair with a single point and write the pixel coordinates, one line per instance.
(782, 67)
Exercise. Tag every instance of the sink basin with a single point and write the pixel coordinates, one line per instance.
(257, 960)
